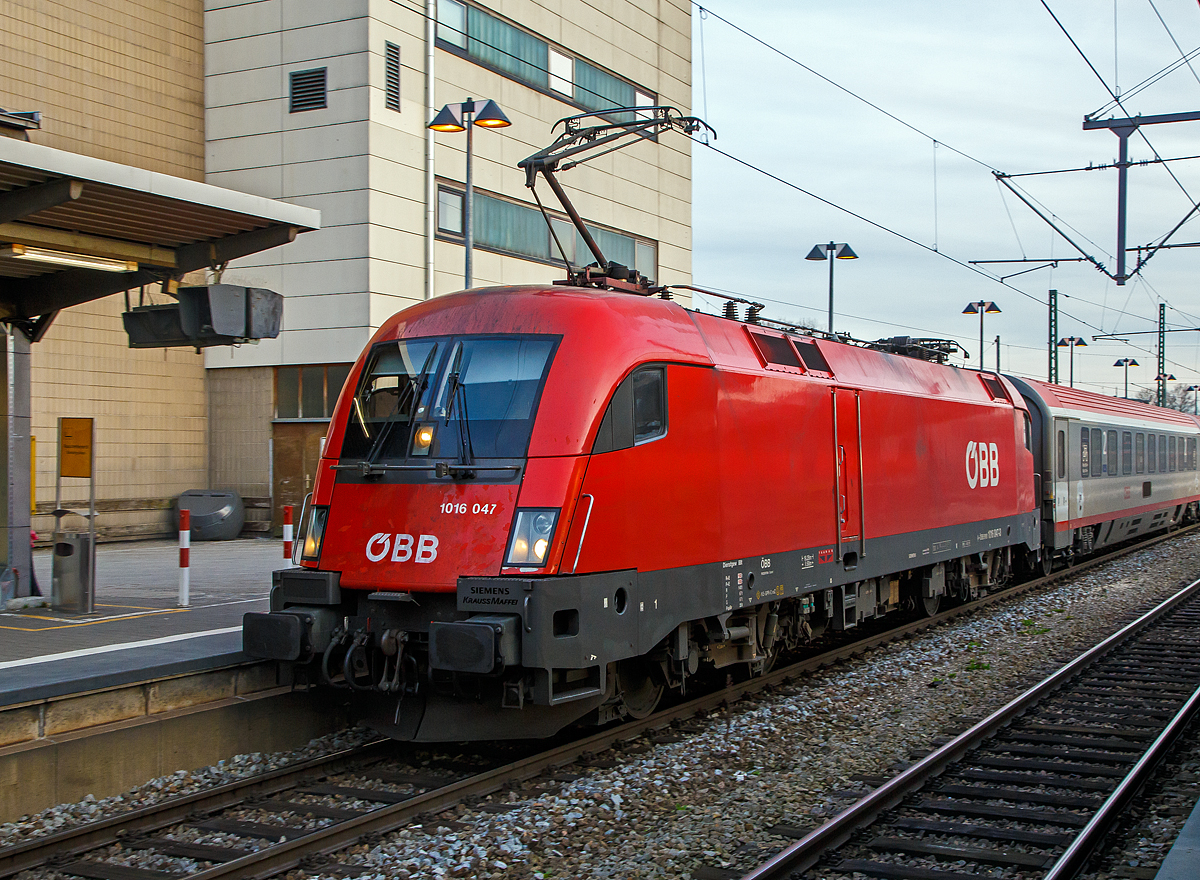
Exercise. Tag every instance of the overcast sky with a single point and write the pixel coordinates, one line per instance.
(999, 82)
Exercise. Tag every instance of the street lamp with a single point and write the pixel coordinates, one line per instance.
(830, 252)
(1195, 399)
(463, 117)
(981, 308)
(1162, 379)
(1126, 363)
(1072, 341)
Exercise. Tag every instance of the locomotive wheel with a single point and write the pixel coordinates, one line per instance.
(1047, 563)
(639, 691)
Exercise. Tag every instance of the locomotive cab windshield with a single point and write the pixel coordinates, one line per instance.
(455, 398)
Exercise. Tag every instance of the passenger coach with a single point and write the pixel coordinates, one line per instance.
(1108, 469)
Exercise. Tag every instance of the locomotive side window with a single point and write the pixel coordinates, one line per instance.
(776, 350)
(1110, 454)
(637, 412)
(1061, 454)
(1028, 431)
(1097, 452)
(811, 355)
(1084, 450)
(1126, 452)
(1171, 454)
(649, 405)
(1151, 454)
(1139, 453)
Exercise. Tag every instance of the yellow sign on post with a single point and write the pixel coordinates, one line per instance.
(75, 448)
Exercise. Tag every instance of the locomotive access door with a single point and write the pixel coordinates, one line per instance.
(848, 487)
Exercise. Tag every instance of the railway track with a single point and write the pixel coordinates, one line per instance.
(1033, 788)
(301, 816)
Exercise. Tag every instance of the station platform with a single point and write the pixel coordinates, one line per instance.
(138, 631)
(1183, 859)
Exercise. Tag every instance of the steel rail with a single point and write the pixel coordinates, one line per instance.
(92, 835)
(804, 853)
(1085, 844)
(88, 836)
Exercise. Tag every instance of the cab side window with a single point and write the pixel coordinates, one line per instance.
(637, 412)
(649, 404)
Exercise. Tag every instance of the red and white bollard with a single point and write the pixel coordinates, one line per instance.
(185, 545)
(287, 530)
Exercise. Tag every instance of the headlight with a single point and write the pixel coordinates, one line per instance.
(315, 534)
(532, 534)
(422, 439)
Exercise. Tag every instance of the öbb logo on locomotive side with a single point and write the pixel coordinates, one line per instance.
(983, 465)
(402, 548)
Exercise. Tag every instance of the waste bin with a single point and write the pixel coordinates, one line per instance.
(71, 588)
(216, 516)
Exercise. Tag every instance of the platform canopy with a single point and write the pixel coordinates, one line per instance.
(58, 210)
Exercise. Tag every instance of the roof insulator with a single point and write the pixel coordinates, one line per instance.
(731, 310)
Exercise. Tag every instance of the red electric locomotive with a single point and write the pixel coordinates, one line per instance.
(540, 504)
(545, 505)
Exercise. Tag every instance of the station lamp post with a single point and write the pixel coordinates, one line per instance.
(1126, 363)
(832, 251)
(1195, 399)
(1162, 379)
(1072, 341)
(463, 117)
(981, 308)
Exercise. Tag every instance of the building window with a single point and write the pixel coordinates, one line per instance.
(391, 76)
(596, 89)
(307, 90)
(518, 230)
(450, 211)
(452, 23)
(562, 73)
(308, 392)
(523, 56)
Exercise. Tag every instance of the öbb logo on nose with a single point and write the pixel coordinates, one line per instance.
(983, 465)
(402, 548)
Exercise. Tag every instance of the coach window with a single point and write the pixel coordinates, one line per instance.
(1151, 454)
(1126, 452)
(1110, 454)
(1191, 453)
(1162, 453)
(649, 405)
(1171, 454)
(1097, 452)
(1139, 453)
(1085, 457)
(1062, 454)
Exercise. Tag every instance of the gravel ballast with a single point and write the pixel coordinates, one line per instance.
(790, 757)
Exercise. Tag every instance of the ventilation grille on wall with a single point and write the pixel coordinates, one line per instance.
(392, 75)
(308, 90)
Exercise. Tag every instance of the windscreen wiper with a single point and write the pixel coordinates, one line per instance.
(466, 450)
